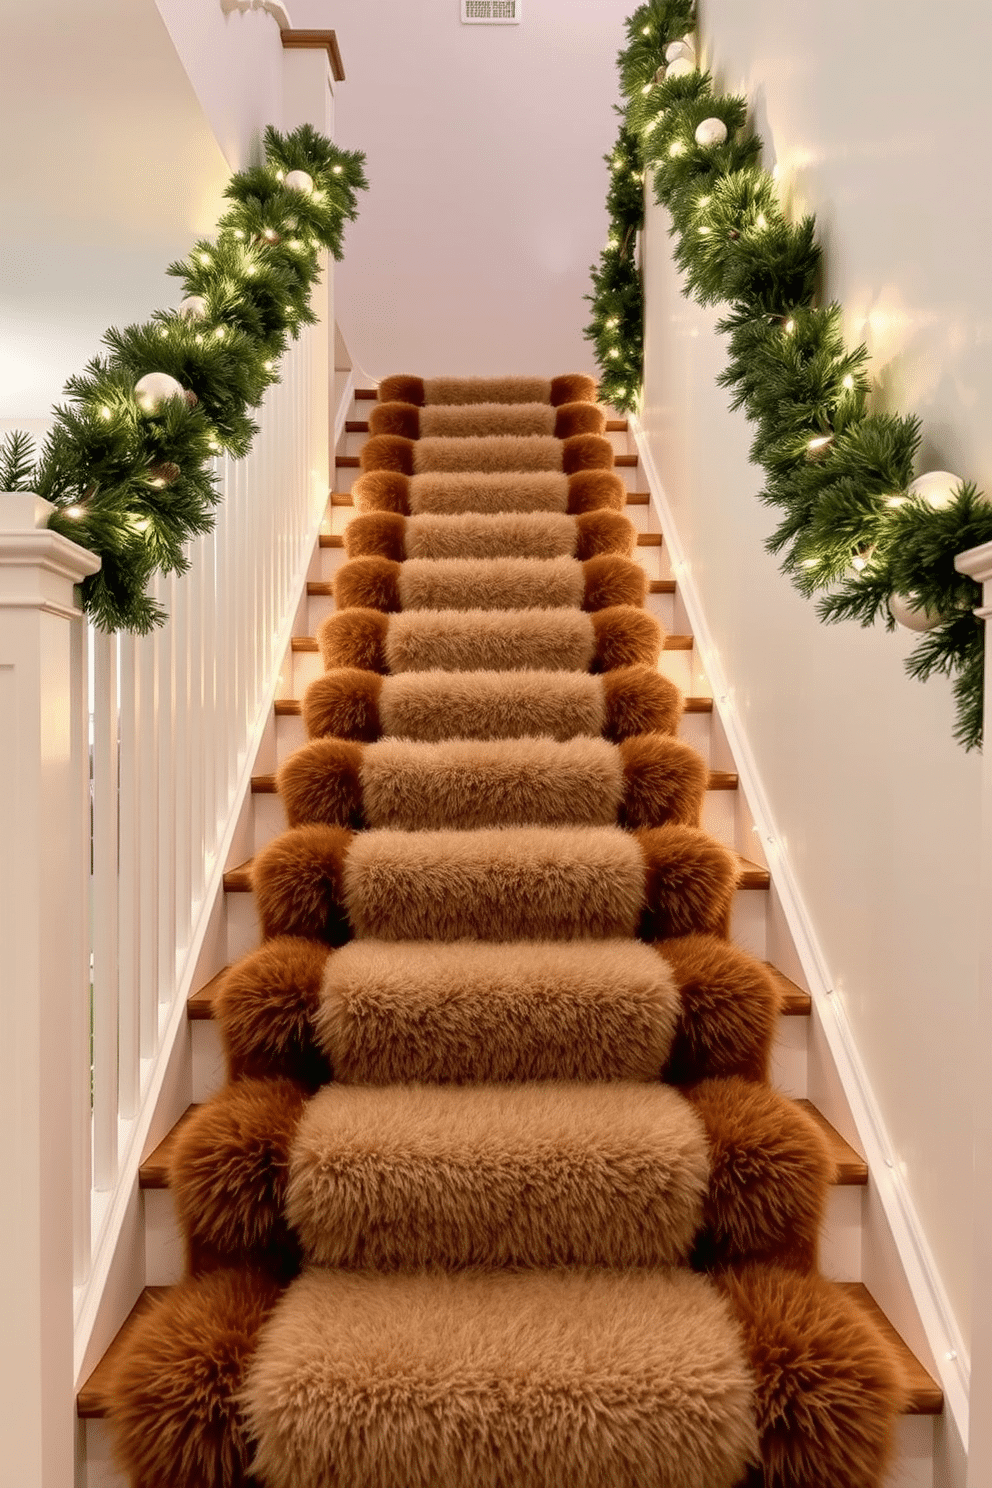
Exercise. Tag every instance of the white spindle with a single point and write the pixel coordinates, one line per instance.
(148, 845)
(105, 916)
(163, 590)
(80, 991)
(128, 919)
(180, 821)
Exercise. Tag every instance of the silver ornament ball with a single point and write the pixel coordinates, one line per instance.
(677, 49)
(193, 307)
(299, 180)
(904, 611)
(936, 488)
(154, 389)
(711, 132)
(681, 67)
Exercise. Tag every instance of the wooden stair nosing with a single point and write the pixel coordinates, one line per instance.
(353, 462)
(345, 498)
(290, 707)
(366, 395)
(795, 1001)
(307, 645)
(752, 876)
(925, 1397)
(720, 780)
(361, 426)
(644, 540)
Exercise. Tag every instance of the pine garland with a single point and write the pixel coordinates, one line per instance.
(836, 470)
(135, 486)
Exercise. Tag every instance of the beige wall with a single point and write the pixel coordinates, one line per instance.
(880, 126)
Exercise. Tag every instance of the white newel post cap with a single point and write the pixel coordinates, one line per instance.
(39, 568)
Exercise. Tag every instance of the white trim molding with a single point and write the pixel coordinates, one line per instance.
(919, 1266)
(273, 8)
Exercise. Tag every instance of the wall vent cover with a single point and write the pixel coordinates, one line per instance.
(490, 12)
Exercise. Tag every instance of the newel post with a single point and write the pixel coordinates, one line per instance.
(43, 985)
(977, 562)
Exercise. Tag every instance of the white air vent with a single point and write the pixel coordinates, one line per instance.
(491, 12)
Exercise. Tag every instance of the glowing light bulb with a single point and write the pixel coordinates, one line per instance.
(250, 270)
(647, 88)
(163, 331)
(280, 175)
(789, 327)
(896, 500)
(652, 125)
(848, 382)
(645, 30)
(859, 562)
(199, 339)
(613, 321)
(819, 443)
(73, 512)
(676, 148)
(105, 412)
(270, 235)
(613, 352)
(220, 333)
(295, 244)
(704, 232)
(338, 170)
(761, 221)
(704, 201)
(269, 366)
(807, 563)
(204, 257)
(239, 234)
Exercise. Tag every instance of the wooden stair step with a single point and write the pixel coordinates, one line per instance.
(925, 1397)
(795, 1002)
(616, 426)
(345, 498)
(721, 780)
(625, 462)
(851, 1170)
(200, 1007)
(752, 876)
(331, 540)
(366, 395)
(345, 462)
(304, 644)
(661, 586)
(290, 707)
(649, 540)
(356, 426)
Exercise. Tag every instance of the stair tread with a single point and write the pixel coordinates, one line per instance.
(752, 876)
(852, 1170)
(366, 395)
(308, 644)
(200, 1006)
(350, 462)
(795, 1002)
(361, 426)
(331, 540)
(290, 707)
(925, 1397)
(721, 780)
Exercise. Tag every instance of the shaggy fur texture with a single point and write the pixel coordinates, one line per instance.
(412, 787)
(690, 883)
(572, 387)
(626, 637)
(595, 490)
(404, 1177)
(518, 883)
(298, 886)
(265, 1011)
(382, 491)
(377, 534)
(468, 1011)
(175, 1409)
(728, 1011)
(355, 639)
(488, 583)
(664, 780)
(477, 640)
(586, 452)
(506, 535)
(639, 700)
(599, 532)
(431, 706)
(345, 703)
(486, 419)
(499, 454)
(389, 452)
(322, 783)
(491, 1379)
(228, 1177)
(465, 784)
(447, 495)
(769, 1173)
(828, 1387)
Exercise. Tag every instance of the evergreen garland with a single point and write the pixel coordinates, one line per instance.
(135, 486)
(836, 471)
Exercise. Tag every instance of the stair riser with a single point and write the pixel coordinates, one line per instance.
(331, 559)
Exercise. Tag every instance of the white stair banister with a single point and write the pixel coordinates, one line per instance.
(977, 563)
(44, 991)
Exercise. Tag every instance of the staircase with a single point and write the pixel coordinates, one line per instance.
(496, 1267)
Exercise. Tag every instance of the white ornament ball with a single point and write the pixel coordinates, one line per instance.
(193, 307)
(711, 132)
(299, 180)
(676, 49)
(936, 488)
(156, 388)
(681, 67)
(902, 608)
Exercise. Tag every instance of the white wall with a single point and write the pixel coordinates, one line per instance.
(879, 125)
(485, 212)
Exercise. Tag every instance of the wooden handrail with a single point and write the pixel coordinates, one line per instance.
(326, 39)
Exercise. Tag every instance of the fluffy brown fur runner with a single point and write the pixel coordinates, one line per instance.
(496, 1023)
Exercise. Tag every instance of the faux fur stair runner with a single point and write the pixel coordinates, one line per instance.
(498, 1195)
